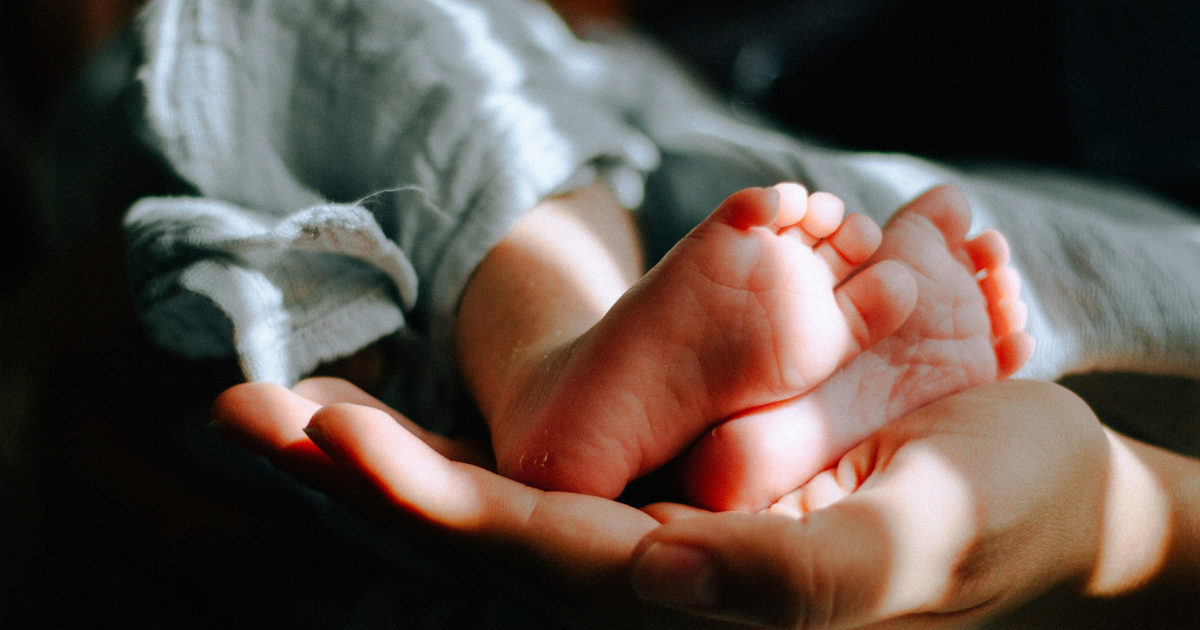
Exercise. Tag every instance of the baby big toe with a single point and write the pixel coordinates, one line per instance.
(748, 208)
(946, 208)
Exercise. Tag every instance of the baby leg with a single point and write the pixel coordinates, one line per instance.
(752, 308)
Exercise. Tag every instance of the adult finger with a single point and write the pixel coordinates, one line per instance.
(873, 556)
(567, 554)
(574, 539)
(262, 417)
(462, 500)
(269, 419)
(965, 508)
(666, 512)
(329, 391)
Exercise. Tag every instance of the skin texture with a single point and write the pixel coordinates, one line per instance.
(964, 331)
(1005, 498)
(588, 383)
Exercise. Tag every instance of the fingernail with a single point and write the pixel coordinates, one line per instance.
(676, 575)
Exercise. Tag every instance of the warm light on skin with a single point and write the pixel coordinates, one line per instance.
(543, 260)
(908, 511)
(414, 476)
(822, 491)
(1136, 528)
(588, 262)
(585, 233)
(922, 573)
(795, 434)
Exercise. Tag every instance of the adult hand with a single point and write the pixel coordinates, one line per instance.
(567, 554)
(950, 517)
(946, 518)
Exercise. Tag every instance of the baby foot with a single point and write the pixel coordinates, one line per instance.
(963, 332)
(749, 309)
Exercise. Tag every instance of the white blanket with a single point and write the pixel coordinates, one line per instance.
(433, 124)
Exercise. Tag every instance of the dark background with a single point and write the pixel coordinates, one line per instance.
(1100, 87)
(101, 530)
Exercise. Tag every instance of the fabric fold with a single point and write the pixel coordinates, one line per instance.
(358, 158)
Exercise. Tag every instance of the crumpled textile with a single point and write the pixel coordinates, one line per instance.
(356, 160)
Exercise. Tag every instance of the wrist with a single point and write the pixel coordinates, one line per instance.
(1135, 520)
(1167, 512)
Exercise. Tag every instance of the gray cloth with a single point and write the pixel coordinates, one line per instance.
(357, 159)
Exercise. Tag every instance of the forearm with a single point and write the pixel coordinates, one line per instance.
(552, 277)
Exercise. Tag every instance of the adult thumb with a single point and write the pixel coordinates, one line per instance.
(828, 570)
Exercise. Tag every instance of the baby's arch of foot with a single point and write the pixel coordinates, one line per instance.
(752, 460)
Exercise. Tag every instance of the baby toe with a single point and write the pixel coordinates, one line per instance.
(851, 245)
(748, 208)
(793, 204)
(823, 215)
(1008, 316)
(1000, 284)
(1012, 352)
(946, 208)
(875, 303)
(989, 250)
